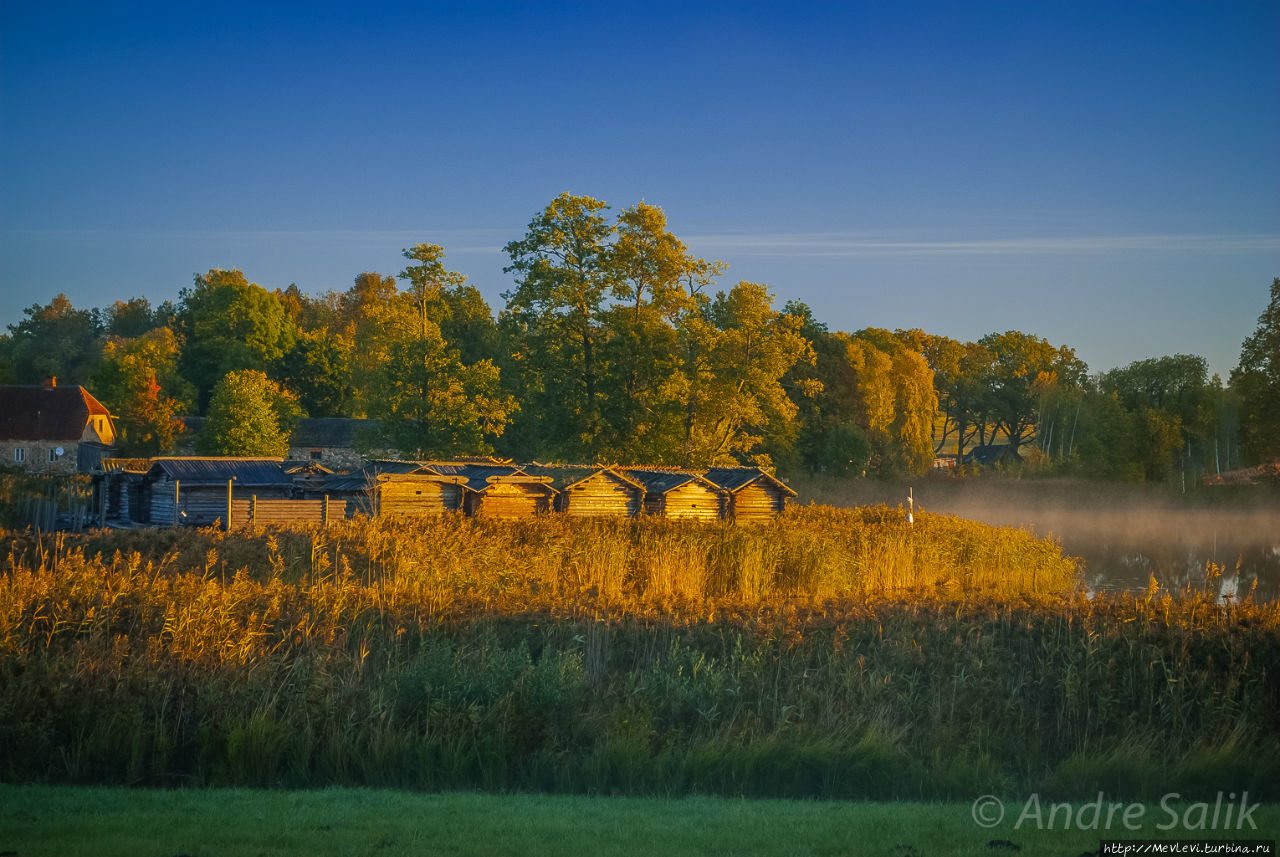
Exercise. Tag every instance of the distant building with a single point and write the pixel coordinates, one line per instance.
(328, 441)
(52, 429)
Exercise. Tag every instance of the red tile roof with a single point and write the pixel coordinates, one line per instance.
(46, 413)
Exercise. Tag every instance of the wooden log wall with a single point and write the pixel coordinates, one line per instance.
(692, 501)
(757, 503)
(509, 501)
(601, 496)
(416, 498)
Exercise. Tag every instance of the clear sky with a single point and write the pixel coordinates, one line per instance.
(1104, 175)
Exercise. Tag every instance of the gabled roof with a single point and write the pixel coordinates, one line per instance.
(293, 468)
(393, 465)
(734, 479)
(481, 477)
(664, 481)
(46, 413)
(123, 465)
(565, 476)
(247, 472)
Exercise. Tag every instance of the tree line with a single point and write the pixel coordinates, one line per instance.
(617, 344)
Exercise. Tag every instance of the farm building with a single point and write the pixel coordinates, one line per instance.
(194, 491)
(117, 488)
(679, 494)
(308, 477)
(498, 490)
(592, 492)
(52, 429)
(415, 494)
(752, 494)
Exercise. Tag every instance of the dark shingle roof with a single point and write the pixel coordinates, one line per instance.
(477, 475)
(662, 481)
(734, 479)
(247, 472)
(565, 476)
(46, 413)
(330, 432)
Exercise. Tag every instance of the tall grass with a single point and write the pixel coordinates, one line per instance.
(835, 652)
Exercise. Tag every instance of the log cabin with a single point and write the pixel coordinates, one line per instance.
(498, 490)
(679, 494)
(592, 492)
(751, 494)
(193, 491)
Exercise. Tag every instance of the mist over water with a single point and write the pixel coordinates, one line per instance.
(1124, 535)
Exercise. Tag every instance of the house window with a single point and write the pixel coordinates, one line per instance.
(317, 454)
(53, 455)
(19, 454)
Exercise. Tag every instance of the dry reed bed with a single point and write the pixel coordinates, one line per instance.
(834, 652)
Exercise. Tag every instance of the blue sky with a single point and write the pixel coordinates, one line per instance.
(1106, 176)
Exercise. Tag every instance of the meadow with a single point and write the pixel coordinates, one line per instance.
(835, 653)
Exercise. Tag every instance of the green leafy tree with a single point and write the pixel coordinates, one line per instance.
(738, 350)
(412, 380)
(429, 404)
(131, 318)
(229, 324)
(564, 270)
(248, 415)
(53, 341)
(1256, 381)
(1022, 369)
(317, 368)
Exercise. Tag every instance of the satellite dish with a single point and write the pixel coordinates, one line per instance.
(59, 451)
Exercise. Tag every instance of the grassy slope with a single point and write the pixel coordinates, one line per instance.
(37, 820)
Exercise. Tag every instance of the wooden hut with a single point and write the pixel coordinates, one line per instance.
(417, 494)
(117, 489)
(198, 491)
(679, 494)
(752, 494)
(592, 492)
(308, 477)
(498, 490)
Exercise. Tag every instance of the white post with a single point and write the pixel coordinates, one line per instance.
(911, 506)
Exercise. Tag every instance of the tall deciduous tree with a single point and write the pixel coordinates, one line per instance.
(1256, 381)
(564, 270)
(737, 351)
(230, 324)
(413, 381)
(1023, 368)
(138, 381)
(249, 415)
(53, 341)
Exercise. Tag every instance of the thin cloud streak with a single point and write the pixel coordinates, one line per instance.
(840, 244)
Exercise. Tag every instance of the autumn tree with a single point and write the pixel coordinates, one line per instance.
(139, 382)
(737, 351)
(248, 415)
(427, 401)
(1256, 381)
(1022, 369)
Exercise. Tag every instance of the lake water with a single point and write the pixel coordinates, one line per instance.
(1124, 535)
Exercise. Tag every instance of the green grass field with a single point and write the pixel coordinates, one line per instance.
(41, 820)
